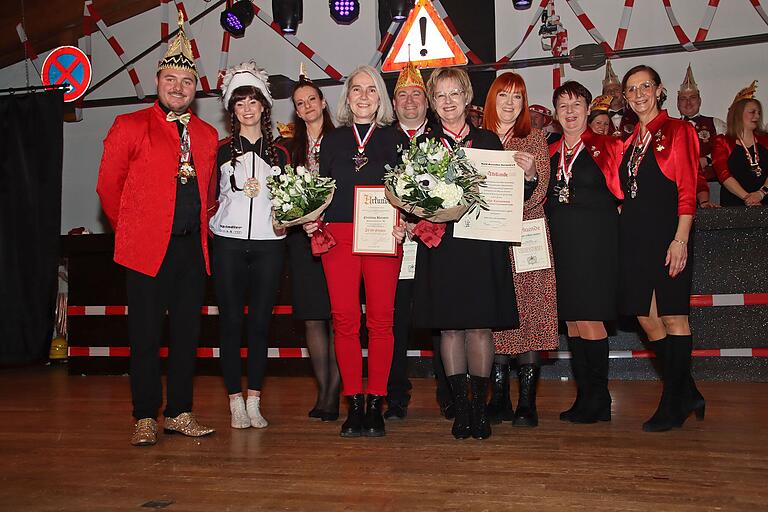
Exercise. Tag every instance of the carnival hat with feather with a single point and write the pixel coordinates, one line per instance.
(747, 93)
(245, 74)
(179, 53)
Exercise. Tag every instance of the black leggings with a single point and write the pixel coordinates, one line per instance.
(245, 272)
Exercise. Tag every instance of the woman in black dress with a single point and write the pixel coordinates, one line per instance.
(658, 174)
(308, 287)
(464, 287)
(740, 157)
(582, 208)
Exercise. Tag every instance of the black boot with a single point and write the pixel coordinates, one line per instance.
(353, 426)
(580, 372)
(674, 373)
(500, 407)
(481, 427)
(693, 401)
(461, 428)
(597, 398)
(528, 378)
(373, 423)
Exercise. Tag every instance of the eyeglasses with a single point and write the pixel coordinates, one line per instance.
(454, 96)
(640, 89)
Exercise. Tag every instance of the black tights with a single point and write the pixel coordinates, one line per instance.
(469, 350)
(531, 357)
(319, 336)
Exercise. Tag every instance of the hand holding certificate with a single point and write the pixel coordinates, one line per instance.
(502, 191)
(374, 219)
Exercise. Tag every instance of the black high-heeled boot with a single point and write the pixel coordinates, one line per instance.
(580, 372)
(353, 426)
(597, 400)
(669, 413)
(461, 420)
(693, 401)
(373, 423)
(481, 427)
(528, 378)
(500, 406)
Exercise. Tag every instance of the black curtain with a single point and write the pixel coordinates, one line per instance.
(31, 147)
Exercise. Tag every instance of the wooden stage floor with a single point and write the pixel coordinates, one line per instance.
(64, 446)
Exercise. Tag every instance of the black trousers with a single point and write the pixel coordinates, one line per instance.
(178, 289)
(245, 273)
(398, 386)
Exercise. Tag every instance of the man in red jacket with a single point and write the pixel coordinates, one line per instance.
(153, 183)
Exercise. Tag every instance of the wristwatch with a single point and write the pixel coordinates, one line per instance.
(764, 189)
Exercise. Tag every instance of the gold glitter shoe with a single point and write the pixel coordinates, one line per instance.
(144, 432)
(185, 423)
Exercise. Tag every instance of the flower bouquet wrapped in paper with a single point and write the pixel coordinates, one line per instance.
(298, 196)
(435, 184)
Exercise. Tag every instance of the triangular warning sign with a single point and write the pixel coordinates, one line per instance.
(425, 40)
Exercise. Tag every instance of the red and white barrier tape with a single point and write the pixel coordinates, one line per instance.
(303, 353)
(87, 49)
(164, 27)
(474, 59)
(621, 33)
(31, 54)
(112, 40)
(534, 22)
(195, 52)
(679, 32)
(589, 26)
(760, 10)
(706, 23)
(224, 56)
(388, 37)
(296, 42)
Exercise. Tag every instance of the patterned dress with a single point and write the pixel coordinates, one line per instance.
(536, 294)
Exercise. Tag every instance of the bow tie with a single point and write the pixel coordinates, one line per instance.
(183, 118)
(619, 112)
(691, 118)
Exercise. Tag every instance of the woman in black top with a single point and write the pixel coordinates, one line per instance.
(464, 287)
(356, 154)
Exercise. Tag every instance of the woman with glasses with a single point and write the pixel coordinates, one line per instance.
(463, 287)
(247, 254)
(658, 175)
(356, 153)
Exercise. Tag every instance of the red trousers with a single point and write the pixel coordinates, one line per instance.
(343, 271)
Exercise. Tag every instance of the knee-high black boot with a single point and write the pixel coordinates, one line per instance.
(674, 373)
(461, 421)
(528, 378)
(693, 401)
(580, 372)
(597, 402)
(500, 406)
(481, 427)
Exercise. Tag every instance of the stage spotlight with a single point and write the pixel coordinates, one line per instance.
(288, 14)
(400, 9)
(521, 5)
(344, 11)
(235, 19)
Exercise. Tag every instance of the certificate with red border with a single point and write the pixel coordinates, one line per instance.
(374, 219)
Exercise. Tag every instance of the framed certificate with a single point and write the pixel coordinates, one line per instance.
(533, 252)
(373, 221)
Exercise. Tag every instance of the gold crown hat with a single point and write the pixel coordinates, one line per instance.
(602, 102)
(610, 77)
(689, 84)
(410, 76)
(747, 93)
(245, 74)
(179, 53)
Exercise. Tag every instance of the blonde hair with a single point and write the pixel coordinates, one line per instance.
(735, 118)
(384, 114)
(457, 74)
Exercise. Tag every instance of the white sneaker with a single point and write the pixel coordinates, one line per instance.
(240, 417)
(254, 413)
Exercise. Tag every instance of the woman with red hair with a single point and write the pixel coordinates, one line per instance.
(507, 115)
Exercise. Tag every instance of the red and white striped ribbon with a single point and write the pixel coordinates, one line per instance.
(679, 32)
(589, 26)
(303, 353)
(709, 15)
(195, 52)
(388, 37)
(224, 56)
(87, 49)
(621, 34)
(760, 10)
(559, 47)
(296, 42)
(455, 33)
(534, 22)
(165, 10)
(112, 40)
(31, 54)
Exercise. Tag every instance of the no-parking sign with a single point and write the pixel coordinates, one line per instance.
(68, 64)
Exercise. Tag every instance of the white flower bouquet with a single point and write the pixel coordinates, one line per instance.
(434, 183)
(298, 196)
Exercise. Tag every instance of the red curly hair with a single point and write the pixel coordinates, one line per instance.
(509, 82)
